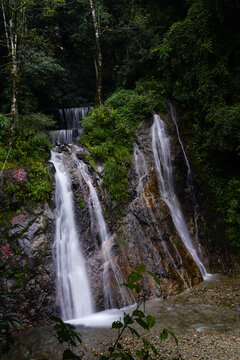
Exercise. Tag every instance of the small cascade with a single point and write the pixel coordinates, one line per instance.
(190, 186)
(142, 172)
(162, 157)
(97, 219)
(73, 290)
(70, 121)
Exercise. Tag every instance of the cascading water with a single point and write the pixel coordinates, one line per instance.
(162, 157)
(70, 120)
(97, 218)
(73, 290)
(189, 180)
(142, 172)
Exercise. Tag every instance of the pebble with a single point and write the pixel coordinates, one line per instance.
(215, 303)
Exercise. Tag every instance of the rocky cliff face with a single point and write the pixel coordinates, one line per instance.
(141, 232)
(26, 257)
(146, 233)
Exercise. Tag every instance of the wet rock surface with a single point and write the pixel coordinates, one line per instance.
(27, 266)
(141, 228)
(206, 320)
(146, 232)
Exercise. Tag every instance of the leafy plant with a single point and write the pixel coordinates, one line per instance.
(67, 334)
(8, 321)
(109, 131)
(147, 350)
(4, 125)
(39, 186)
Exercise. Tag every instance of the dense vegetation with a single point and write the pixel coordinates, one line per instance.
(183, 51)
(109, 132)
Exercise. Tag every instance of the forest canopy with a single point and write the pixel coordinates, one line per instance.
(190, 49)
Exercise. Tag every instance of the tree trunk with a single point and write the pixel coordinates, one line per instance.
(15, 85)
(98, 56)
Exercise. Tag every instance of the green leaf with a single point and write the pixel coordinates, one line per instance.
(128, 319)
(139, 352)
(174, 336)
(150, 345)
(134, 332)
(141, 268)
(132, 287)
(138, 313)
(134, 277)
(151, 321)
(69, 355)
(142, 323)
(57, 319)
(117, 325)
(157, 280)
(146, 342)
(119, 346)
(164, 335)
(77, 336)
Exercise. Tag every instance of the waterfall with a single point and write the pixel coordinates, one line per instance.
(162, 157)
(142, 172)
(189, 180)
(70, 119)
(73, 290)
(97, 218)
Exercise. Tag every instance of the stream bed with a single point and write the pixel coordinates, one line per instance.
(206, 320)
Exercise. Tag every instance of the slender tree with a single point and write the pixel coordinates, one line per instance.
(14, 14)
(98, 54)
(14, 17)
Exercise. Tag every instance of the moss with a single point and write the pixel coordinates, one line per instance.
(81, 202)
(177, 242)
(91, 161)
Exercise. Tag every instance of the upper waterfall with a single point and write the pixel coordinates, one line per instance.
(70, 122)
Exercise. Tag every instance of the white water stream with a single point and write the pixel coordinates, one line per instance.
(73, 290)
(142, 172)
(162, 157)
(196, 211)
(97, 218)
(70, 120)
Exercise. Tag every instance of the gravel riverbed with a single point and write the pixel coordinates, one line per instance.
(205, 319)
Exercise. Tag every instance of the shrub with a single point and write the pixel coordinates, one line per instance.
(4, 126)
(109, 131)
(40, 183)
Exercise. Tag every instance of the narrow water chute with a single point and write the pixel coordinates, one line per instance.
(73, 290)
(162, 158)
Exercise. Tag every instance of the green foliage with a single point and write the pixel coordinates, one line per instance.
(81, 202)
(109, 131)
(30, 142)
(4, 126)
(146, 322)
(67, 334)
(39, 186)
(224, 134)
(199, 59)
(154, 91)
(115, 178)
(35, 122)
(8, 321)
